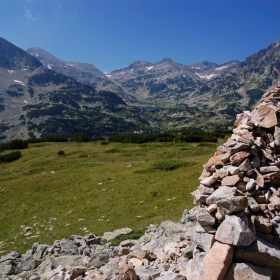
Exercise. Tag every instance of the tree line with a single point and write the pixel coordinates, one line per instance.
(178, 137)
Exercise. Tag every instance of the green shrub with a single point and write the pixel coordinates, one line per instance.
(104, 142)
(10, 157)
(17, 144)
(83, 155)
(61, 153)
(81, 137)
(168, 165)
(114, 150)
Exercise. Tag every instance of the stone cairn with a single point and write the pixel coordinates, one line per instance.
(233, 233)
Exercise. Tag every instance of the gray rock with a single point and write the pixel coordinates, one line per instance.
(46, 266)
(41, 251)
(220, 193)
(241, 271)
(205, 190)
(68, 247)
(189, 216)
(245, 165)
(276, 219)
(250, 185)
(7, 268)
(168, 275)
(230, 205)
(57, 273)
(225, 157)
(256, 162)
(11, 256)
(193, 264)
(204, 218)
(204, 240)
(234, 231)
(101, 259)
(254, 206)
(237, 148)
(259, 253)
(68, 260)
(93, 240)
(268, 169)
(156, 237)
(77, 271)
(188, 252)
(147, 273)
(28, 263)
(112, 235)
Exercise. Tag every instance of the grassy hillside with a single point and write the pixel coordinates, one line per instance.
(94, 187)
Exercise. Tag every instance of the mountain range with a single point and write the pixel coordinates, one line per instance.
(41, 94)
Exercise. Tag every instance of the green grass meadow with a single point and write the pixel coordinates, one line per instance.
(45, 196)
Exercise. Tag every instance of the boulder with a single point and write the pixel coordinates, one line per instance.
(204, 218)
(234, 231)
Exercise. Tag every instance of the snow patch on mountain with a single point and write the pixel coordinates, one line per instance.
(221, 68)
(205, 76)
(149, 68)
(19, 82)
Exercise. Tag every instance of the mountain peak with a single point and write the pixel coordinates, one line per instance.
(167, 60)
(14, 58)
(139, 63)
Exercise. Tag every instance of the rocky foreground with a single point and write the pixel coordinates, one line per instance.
(233, 233)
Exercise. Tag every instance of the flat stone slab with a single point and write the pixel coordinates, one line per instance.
(215, 263)
(259, 253)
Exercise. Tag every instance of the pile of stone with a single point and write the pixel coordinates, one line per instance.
(84, 258)
(239, 192)
(233, 233)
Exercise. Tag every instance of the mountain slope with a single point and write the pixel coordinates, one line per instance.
(36, 101)
(82, 72)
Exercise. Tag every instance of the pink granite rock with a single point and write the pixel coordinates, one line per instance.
(215, 263)
(264, 116)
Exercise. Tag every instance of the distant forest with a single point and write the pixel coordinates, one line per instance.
(177, 137)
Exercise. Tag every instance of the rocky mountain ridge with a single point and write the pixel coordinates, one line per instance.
(233, 233)
(37, 101)
(82, 72)
(204, 94)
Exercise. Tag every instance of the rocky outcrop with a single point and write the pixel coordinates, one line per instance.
(233, 233)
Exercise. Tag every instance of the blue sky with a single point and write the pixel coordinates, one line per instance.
(111, 34)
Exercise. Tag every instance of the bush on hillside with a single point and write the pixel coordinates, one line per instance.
(168, 165)
(10, 157)
(14, 145)
(81, 137)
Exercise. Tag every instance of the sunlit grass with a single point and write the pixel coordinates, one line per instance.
(94, 188)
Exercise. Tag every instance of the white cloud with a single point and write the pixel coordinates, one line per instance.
(28, 15)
